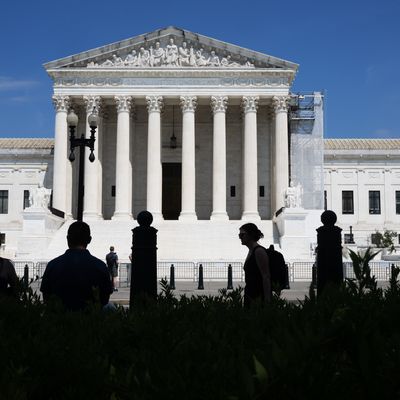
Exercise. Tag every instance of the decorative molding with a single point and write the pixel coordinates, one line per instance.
(170, 55)
(61, 103)
(219, 103)
(249, 103)
(154, 103)
(280, 103)
(93, 104)
(188, 103)
(124, 103)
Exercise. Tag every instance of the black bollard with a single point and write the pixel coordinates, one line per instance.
(172, 277)
(329, 252)
(26, 276)
(230, 277)
(144, 258)
(201, 282)
(314, 276)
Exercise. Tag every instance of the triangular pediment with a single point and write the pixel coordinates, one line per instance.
(170, 48)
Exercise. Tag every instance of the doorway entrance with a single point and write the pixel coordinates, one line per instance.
(171, 190)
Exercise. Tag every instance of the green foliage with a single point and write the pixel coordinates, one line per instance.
(363, 279)
(386, 239)
(344, 345)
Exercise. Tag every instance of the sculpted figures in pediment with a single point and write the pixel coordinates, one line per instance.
(157, 55)
(184, 55)
(213, 61)
(132, 59)
(171, 55)
(144, 57)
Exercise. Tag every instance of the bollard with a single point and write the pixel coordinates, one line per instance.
(314, 276)
(26, 276)
(287, 285)
(144, 259)
(172, 277)
(201, 283)
(230, 277)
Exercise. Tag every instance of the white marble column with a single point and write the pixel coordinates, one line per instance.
(60, 168)
(250, 162)
(123, 170)
(281, 150)
(218, 106)
(154, 168)
(188, 212)
(91, 209)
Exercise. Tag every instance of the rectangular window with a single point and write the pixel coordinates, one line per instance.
(374, 202)
(3, 201)
(113, 191)
(262, 191)
(233, 191)
(347, 202)
(325, 200)
(397, 201)
(26, 199)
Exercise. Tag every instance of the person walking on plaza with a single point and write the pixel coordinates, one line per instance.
(112, 264)
(8, 277)
(75, 276)
(256, 267)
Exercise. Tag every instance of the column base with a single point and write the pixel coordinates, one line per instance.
(91, 216)
(251, 216)
(122, 216)
(219, 216)
(157, 216)
(188, 216)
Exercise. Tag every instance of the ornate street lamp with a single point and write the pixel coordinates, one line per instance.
(72, 120)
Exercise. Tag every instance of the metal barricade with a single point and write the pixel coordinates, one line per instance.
(302, 270)
(379, 269)
(20, 266)
(218, 270)
(184, 270)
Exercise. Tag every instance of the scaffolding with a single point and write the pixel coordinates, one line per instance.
(307, 147)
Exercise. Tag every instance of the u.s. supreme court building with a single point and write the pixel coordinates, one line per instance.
(205, 135)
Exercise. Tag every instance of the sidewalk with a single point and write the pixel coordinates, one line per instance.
(297, 291)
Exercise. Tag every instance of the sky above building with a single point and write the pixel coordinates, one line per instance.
(346, 48)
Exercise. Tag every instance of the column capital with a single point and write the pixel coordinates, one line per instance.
(219, 103)
(250, 103)
(61, 103)
(93, 104)
(154, 103)
(124, 103)
(188, 103)
(280, 103)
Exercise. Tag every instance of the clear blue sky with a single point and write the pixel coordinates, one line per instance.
(349, 49)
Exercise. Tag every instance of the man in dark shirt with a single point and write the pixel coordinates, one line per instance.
(75, 276)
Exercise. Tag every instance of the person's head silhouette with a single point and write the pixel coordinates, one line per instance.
(78, 236)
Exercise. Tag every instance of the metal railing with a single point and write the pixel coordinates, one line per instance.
(214, 271)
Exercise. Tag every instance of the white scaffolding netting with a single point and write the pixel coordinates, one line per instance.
(307, 148)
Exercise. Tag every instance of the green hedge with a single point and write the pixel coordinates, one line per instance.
(344, 345)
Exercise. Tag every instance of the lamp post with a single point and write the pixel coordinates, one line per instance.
(82, 142)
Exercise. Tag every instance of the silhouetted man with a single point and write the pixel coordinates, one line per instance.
(75, 276)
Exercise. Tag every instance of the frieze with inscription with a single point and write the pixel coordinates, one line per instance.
(172, 81)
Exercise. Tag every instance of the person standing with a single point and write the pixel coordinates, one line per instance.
(256, 267)
(75, 276)
(8, 277)
(112, 264)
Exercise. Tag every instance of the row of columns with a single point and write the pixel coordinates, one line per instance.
(62, 181)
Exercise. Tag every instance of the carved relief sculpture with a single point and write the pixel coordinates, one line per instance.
(171, 56)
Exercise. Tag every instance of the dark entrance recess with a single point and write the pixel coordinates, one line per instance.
(171, 190)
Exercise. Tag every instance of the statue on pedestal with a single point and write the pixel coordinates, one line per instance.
(293, 196)
(39, 197)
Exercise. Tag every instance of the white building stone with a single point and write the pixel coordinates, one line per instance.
(204, 134)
